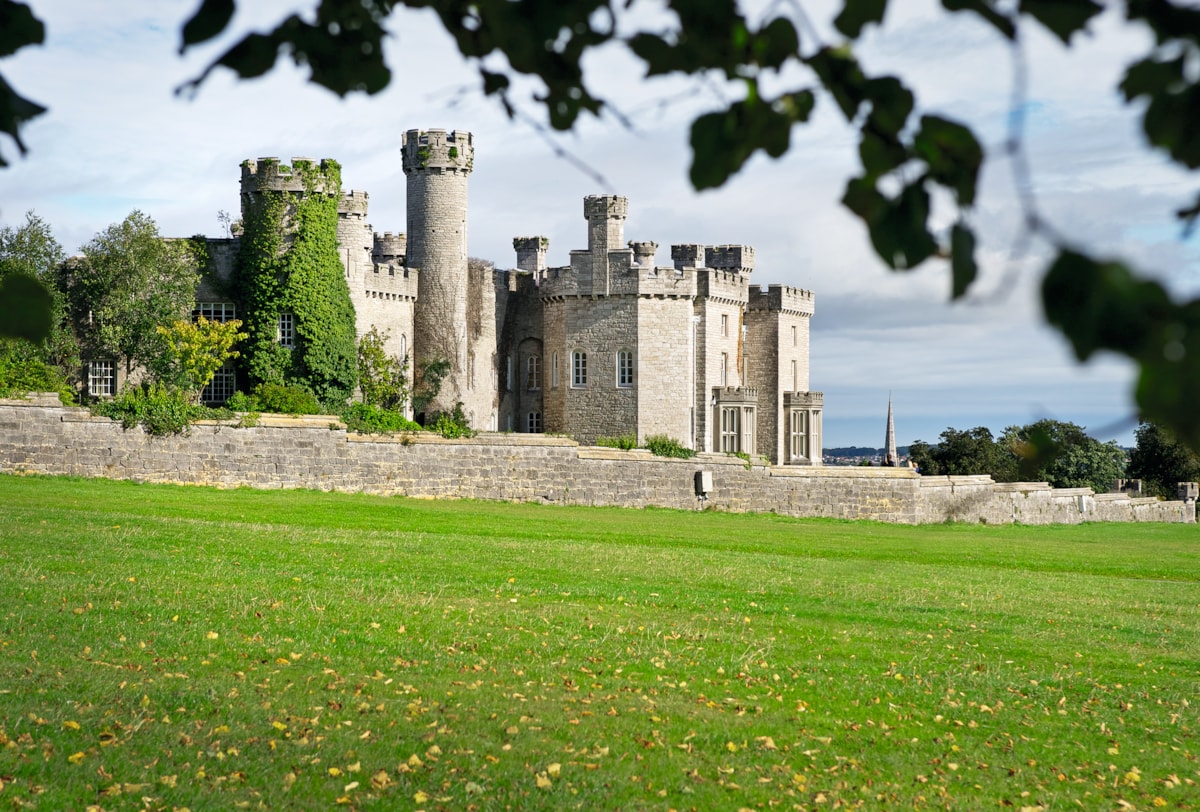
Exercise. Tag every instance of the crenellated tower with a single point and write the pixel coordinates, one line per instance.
(437, 164)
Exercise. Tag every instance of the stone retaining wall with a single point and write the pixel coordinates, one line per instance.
(40, 436)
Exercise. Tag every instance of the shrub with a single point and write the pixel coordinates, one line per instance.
(663, 446)
(366, 418)
(286, 399)
(625, 442)
(241, 402)
(158, 409)
(452, 424)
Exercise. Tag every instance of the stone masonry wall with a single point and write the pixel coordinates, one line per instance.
(37, 436)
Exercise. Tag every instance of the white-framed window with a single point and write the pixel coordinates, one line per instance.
(579, 368)
(730, 432)
(533, 372)
(554, 372)
(215, 311)
(403, 346)
(724, 324)
(286, 334)
(798, 429)
(724, 369)
(102, 378)
(534, 423)
(221, 387)
(747, 440)
(625, 368)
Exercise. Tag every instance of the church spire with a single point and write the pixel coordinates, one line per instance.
(891, 458)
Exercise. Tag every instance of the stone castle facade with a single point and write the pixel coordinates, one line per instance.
(609, 345)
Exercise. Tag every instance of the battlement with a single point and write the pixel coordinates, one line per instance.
(605, 207)
(730, 257)
(716, 284)
(731, 395)
(304, 175)
(531, 252)
(389, 247)
(643, 253)
(803, 400)
(438, 151)
(353, 203)
(687, 255)
(781, 298)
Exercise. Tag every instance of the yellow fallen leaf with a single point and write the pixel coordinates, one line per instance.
(69, 725)
(76, 758)
(420, 797)
(543, 781)
(355, 767)
(554, 769)
(212, 635)
(381, 780)
(335, 772)
(434, 751)
(353, 785)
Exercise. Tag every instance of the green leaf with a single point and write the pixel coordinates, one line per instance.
(15, 110)
(1062, 17)
(839, 72)
(953, 155)
(1102, 305)
(18, 27)
(776, 43)
(899, 228)
(963, 269)
(209, 20)
(855, 15)
(984, 9)
(722, 142)
(1170, 123)
(1151, 77)
(891, 103)
(880, 154)
(25, 306)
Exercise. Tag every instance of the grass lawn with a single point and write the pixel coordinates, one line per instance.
(167, 647)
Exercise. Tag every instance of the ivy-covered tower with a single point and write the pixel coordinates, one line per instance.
(451, 320)
(290, 280)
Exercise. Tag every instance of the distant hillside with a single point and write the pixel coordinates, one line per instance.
(861, 451)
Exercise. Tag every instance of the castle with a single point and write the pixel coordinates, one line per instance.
(609, 345)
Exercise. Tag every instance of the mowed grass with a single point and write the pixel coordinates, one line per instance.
(169, 647)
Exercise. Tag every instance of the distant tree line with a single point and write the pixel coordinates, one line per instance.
(1062, 454)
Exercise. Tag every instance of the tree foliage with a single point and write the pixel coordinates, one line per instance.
(1052, 451)
(129, 282)
(906, 158)
(30, 257)
(194, 351)
(1161, 461)
(382, 378)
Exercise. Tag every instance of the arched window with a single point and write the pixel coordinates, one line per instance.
(534, 423)
(533, 372)
(403, 346)
(554, 372)
(625, 368)
(579, 368)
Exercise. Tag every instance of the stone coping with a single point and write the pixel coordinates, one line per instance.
(944, 481)
(843, 472)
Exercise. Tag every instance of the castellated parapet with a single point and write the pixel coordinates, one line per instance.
(688, 255)
(725, 286)
(730, 257)
(531, 253)
(354, 203)
(643, 253)
(438, 151)
(269, 175)
(782, 298)
(389, 248)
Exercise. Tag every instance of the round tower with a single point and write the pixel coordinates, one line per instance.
(437, 164)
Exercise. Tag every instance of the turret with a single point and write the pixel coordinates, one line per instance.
(531, 253)
(437, 164)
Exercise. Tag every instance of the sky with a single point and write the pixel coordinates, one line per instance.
(118, 138)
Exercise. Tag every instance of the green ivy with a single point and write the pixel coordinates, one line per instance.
(304, 277)
(661, 445)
